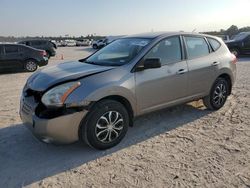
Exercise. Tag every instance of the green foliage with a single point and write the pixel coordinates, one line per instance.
(231, 31)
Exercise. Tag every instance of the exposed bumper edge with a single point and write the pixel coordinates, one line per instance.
(63, 129)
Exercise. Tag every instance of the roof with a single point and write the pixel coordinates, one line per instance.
(27, 40)
(14, 44)
(161, 34)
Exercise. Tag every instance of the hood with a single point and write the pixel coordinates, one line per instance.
(44, 79)
(229, 41)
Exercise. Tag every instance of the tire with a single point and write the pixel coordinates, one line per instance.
(235, 51)
(95, 46)
(218, 95)
(30, 65)
(96, 129)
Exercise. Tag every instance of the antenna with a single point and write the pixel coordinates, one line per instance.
(194, 30)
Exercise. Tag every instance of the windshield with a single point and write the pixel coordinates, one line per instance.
(240, 36)
(119, 52)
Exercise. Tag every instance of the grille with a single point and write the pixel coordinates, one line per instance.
(26, 108)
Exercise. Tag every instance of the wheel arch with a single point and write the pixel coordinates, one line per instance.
(27, 59)
(228, 79)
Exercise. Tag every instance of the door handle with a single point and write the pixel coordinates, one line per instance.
(181, 71)
(215, 63)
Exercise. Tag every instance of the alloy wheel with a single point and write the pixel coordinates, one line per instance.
(31, 66)
(219, 95)
(109, 126)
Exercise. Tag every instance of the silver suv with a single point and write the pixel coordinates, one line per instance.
(96, 99)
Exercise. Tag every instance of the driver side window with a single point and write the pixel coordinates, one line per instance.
(168, 51)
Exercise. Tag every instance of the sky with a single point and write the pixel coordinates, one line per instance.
(118, 17)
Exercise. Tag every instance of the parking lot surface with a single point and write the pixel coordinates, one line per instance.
(184, 146)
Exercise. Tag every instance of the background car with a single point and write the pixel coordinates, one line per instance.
(240, 44)
(16, 57)
(46, 45)
(105, 41)
(83, 42)
(69, 42)
(98, 44)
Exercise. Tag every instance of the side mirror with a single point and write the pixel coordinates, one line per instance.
(152, 63)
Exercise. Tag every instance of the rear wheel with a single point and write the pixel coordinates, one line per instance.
(105, 125)
(218, 95)
(94, 46)
(31, 65)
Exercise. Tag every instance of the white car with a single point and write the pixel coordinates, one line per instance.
(70, 42)
(83, 42)
(103, 42)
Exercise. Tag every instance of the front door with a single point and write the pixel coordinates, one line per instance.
(156, 88)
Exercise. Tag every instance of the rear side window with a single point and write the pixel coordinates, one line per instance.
(37, 43)
(214, 43)
(196, 47)
(28, 43)
(11, 49)
(1, 50)
(168, 50)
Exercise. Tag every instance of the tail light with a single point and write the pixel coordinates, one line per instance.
(43, 53)
(234, 59)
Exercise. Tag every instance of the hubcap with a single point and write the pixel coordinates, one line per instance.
(109, 126)
(31, 66)
(220, 93)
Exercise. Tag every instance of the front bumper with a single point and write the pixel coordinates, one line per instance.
(62, 129)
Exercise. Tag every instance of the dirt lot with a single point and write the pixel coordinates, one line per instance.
(184, 146)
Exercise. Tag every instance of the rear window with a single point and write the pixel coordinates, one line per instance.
(196, 47)
(11, 49)
(214, 43)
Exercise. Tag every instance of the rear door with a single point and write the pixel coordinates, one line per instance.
(12, 57)
(156, 88)
(202, 68)
(246, 45)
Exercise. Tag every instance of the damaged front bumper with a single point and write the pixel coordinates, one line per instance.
(62, 128)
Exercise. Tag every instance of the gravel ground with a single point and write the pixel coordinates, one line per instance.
(184, 146)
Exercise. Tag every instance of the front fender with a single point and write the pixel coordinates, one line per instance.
(105, 85)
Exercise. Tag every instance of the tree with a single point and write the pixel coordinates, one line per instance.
(233, 30)
(244, 29)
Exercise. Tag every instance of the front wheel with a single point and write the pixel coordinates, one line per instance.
(105, 125)
(218, 95)
(30, 65)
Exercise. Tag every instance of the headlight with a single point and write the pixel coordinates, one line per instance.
(57, 95)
